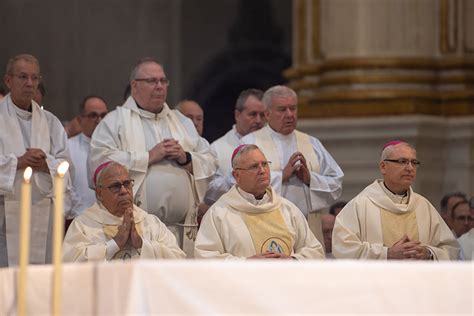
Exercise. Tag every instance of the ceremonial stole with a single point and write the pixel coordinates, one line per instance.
(269, 232)
(395, 225)
(264, 140)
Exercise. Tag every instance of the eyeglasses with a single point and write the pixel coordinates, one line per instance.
(256, 167)
(464, 218)
(24, 77)
(404, 162)
(94, 115)
(155, 81)
(117, 186)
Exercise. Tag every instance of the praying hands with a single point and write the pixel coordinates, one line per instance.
(128, 232)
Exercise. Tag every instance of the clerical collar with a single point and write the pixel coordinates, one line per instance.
(251, 198)
(396, 198)
(147, 113)
(236, 132)
(23, 114)
(30, 109)
(280, 135)
(85, 138)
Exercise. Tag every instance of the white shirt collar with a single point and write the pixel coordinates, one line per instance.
(396, 198)
(251, 198)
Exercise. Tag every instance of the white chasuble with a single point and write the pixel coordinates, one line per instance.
(359, 229)
(90, 232)
(237, 227)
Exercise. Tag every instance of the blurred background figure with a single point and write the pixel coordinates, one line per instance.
(327, 224)
(40, 94)
(193, 111)
(337, 207)
(249, 116)
(72, 127)
(92, 110)
(447, 203)
(466, 241)
(461, 218)
(3, 92)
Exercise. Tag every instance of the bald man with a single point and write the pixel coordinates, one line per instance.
(192, 110)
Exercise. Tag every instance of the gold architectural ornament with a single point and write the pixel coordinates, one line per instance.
(384, 86)
(409, 63)
(308, 108)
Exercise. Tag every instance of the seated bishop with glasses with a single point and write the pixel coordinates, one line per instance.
(115, 228)
(387, 220)
(252, 220)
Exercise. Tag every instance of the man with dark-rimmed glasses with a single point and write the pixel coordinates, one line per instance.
(115, 228)
(387, 220)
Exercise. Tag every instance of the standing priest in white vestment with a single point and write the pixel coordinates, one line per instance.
(168, 160)
(91, 111)
(387, 220)
(303, 171)
(114, 228)
(249, 115)
(30, 137)
(252, 220)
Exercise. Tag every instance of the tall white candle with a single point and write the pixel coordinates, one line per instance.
(25, 209)
(58, 234)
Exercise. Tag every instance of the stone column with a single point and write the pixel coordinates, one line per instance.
(368, 71)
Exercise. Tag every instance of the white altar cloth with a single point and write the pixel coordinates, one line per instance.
(251, 287)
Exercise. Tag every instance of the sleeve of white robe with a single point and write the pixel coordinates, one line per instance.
(306, 245)
(159, 242)
(208, 240)
(59, 152)
(8, 164)
(81, 245)
(326, 186)
(219, 185)
(221, 182)
(346, 236)
(204, 164)
(442, 242)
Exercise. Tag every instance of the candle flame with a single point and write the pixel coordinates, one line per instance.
(27, 174)
(62, 169)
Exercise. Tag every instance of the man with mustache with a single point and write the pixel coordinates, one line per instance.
(168, 160)
(252, 220)
(114, 228)
(30, 137)
(302, 170)
(387, 220)
(249, 115)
